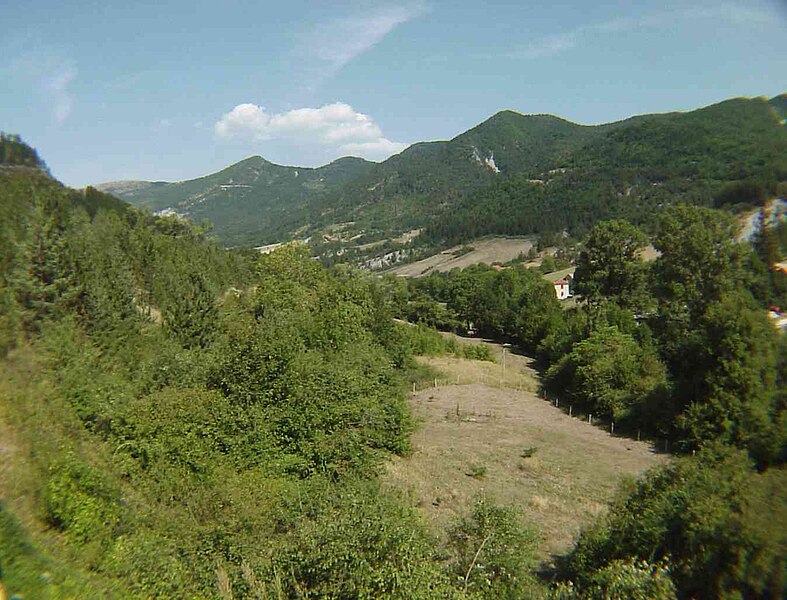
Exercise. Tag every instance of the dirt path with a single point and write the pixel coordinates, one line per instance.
(513, 447)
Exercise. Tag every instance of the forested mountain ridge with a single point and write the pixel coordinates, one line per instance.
(728, 153)
(246, 201)
(511, 174)
(15, 153)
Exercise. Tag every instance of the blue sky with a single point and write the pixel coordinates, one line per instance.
(170, 90)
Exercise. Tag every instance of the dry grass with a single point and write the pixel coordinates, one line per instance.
(485, 250)
(518, 448)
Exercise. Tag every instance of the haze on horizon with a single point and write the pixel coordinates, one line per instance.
(109, 91)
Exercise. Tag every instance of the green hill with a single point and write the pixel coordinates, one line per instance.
(249, 202)
(511, 174)
(633, 169)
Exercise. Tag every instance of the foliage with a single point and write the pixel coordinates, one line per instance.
(14, 152)
(608, 373)
(363, 544)
(707, 516)
(182, 400)
(421, 340)
(492, 553)
(609, 266)
(621, 580)
(79, 501)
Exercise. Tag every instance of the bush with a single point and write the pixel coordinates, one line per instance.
(78, 500)
(709, 515)
(361, 543)
(621, 580)
(492, 554)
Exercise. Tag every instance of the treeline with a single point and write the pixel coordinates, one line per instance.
(679, 350)
(14, 152)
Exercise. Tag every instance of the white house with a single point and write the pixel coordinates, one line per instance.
(561, 288)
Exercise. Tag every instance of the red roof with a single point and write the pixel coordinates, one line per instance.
(560, 282)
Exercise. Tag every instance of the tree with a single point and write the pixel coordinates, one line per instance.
(709, 515)
(608, 373)
(492, 553)
(610, 267)
(700, 261)
(191, 311)
(734, 391)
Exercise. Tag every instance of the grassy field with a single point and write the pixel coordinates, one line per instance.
(498, 438)
(485, 250)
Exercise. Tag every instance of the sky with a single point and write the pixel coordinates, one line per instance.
(172, 90)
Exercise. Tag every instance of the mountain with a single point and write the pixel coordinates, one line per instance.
(731, 153)
(513, 173)
(247, 202)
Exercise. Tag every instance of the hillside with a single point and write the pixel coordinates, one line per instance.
(512, 174)
(182, 420)
(633, 171)
(249, 202)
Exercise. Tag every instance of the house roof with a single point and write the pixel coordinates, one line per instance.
(560, 282)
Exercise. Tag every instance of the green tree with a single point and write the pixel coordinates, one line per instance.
(493, 553)
(608, 373)
(610, 267)
(710, 516)
(735, 381)
(191, 311)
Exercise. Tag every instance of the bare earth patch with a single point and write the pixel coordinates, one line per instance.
(516, 449)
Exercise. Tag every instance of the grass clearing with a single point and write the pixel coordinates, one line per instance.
(500, 439)
(485, 250)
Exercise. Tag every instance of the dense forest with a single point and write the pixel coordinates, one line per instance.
(179, 420)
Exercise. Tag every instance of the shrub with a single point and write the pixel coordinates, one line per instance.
(492, 553)
(80, 502)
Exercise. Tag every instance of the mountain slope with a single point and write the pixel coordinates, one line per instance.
(511, 174)
(632, 170)
(247, 202)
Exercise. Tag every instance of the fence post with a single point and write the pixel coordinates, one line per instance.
(569, 410)
(612, 428)
(590, 419)
(638, 432)
(435, 382)
(413, 387)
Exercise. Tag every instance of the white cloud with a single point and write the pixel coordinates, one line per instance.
(57, 85)
(335, 126)
(49, 75)
(547, 46)
(330, 46)
(730, 13)
(377, 150)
